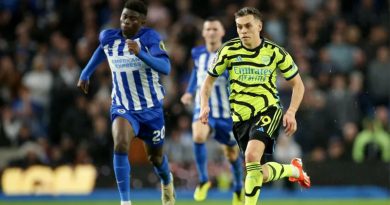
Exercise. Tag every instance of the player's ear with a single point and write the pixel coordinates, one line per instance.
(260, 25)
(142, 19)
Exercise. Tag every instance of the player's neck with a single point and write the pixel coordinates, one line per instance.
(256, 43)
(213, 47)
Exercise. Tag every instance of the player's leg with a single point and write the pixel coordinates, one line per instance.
(294, 171)
(159, 162)
(161, 168)
(254, 173)
(232, 153)
(225, 136)
(273, 171)
(152, 132)
(200, 132)
(122, 133)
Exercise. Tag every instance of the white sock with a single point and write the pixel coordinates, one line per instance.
(295, 172)
(125, 202)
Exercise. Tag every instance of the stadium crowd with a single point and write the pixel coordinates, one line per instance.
(342, 49)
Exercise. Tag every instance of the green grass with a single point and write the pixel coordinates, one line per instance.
(210, 202)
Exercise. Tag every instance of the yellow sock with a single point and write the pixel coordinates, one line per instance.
(253, 182)
(277, 171)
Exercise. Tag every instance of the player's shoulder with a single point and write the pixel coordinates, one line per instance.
(272, 45)
(232, 43)
(149, 33)
(106, 33)
(197, 50)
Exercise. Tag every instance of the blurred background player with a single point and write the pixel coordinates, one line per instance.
(252, 62)
(220, 123)
(136, 56)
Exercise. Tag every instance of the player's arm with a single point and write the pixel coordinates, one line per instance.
(205, 93)
(219, 66)
(156, 57)
(186, 99)
(158, 63)
(97, 58)
(298, 90)
(290, 72)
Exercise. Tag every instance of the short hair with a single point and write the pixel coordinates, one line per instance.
(137, 5)
(213, 18)
(248, 11)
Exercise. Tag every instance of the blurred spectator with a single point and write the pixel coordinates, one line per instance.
(372, 144)
(39, 81)
(378, 75)
(43, 49)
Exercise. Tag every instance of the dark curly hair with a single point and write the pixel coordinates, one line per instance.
(138, 6)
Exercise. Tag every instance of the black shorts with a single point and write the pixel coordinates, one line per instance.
(264, 127)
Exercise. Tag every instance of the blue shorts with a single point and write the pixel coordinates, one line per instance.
(222, 130)
(148, 125)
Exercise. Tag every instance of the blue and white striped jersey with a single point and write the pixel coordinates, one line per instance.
(219, 98)
(135, 85)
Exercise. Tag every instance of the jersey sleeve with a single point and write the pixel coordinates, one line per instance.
(156, 46)
(220, 63)
(287, 66)
(102, 36)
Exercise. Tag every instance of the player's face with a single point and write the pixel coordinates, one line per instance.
(131, 22)
(248, 29)
(213, 31)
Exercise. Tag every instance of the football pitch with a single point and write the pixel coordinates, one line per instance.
(210, 202)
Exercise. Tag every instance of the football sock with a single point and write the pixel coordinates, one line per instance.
(277, 171)
(163, 171)
(122, 175)
(201, 161)
(236, 167)
(253, 182)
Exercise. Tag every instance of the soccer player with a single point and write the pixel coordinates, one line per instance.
(252, 63)
(136, 57)
(220, 121)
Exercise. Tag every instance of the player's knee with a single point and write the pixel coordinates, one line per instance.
(231, 155)
(155, 159)
(121, 145)
(198, 138)
(251, 156)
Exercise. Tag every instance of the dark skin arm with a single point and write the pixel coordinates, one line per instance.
(133, 46)
(83, 85)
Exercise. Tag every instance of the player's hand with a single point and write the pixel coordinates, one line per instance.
(83, 85)
(186, 99)
(133, 46)
(204, 115)
(289, 123)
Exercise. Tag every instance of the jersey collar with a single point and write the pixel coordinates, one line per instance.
(254, 49)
